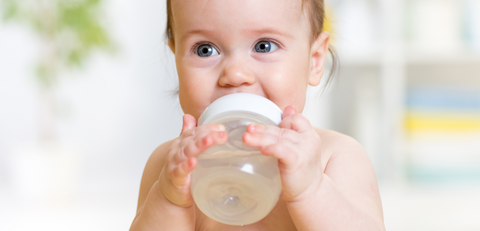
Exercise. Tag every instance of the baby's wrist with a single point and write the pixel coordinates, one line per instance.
(309, 195)
(159, 191)
(157, 203)
(158, 213)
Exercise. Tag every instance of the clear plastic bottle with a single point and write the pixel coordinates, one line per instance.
(234, 183)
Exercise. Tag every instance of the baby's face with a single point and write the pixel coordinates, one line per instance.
(255, 46)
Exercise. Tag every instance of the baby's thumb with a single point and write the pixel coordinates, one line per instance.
(188, 122)
(289, 110)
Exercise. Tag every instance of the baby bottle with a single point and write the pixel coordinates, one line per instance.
(233, 183)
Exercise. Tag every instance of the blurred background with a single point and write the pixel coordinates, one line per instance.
(86, 95)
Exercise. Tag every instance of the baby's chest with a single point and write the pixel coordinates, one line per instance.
(277, 220)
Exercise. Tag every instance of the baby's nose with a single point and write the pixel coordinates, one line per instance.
(236, 74)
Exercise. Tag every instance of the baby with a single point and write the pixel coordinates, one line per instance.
(275, 49)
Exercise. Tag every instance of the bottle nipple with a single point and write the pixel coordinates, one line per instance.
(232, 202)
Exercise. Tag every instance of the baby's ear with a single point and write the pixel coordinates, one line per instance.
(171, 44)
(319, 52)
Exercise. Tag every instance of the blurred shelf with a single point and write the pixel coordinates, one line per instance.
(413, 58)
(461, 57)
(351, 60)
(385, 49)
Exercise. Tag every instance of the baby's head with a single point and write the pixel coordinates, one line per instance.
(273, 48)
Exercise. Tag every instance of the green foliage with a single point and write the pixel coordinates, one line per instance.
(70, 31)
(10, 10)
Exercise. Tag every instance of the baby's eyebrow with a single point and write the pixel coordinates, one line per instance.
(270, 31)
(254, 32)
(190, 33)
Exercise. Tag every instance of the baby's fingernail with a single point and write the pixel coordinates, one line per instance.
(252, 127)
(221, 127)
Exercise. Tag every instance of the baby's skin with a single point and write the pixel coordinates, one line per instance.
(262, 47)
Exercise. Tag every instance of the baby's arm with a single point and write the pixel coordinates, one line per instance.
(154, 211)
(165, 201)
(327, 179)
(348, 196)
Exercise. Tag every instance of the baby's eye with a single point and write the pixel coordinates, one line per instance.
(265, 46)
(206, 50)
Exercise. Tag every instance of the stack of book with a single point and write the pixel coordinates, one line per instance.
(443, 134)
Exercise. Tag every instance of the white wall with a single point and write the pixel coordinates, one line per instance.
(113, 115)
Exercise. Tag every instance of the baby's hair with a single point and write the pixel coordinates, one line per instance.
(316, 15)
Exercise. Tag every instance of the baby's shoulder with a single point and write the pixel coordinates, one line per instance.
(345, 161)
(335, 143)
(157, 158)
(152, 170)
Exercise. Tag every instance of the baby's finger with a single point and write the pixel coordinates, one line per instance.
(180, 173)
(180, 154)
(277, 135)
(203, 129)
(296, 122)
(289, 110)
(190, 136)
(203, 142)
(177, 156)
(189, 122)
(284, 152)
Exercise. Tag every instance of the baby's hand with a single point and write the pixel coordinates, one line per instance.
(174, 180)
(296, 145)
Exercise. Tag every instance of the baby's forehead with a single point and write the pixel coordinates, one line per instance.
(262, 5)
(237, 15)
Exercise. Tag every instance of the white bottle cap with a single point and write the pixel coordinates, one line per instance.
(242, 102)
